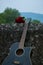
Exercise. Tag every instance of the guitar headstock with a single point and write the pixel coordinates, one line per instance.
(28, 20)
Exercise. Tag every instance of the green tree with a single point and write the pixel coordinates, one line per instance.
(36, 21)
(9, 15)
(2, 20)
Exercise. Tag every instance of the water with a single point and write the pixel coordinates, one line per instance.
(33, 16)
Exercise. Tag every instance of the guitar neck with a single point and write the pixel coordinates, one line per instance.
(21, 44)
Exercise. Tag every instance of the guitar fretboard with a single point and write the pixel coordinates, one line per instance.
(21, 44)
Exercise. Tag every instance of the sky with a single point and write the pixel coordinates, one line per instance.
(35, 6)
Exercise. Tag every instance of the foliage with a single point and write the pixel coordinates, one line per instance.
(36, 21)
(9, 15)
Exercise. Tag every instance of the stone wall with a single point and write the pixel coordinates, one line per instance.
(10, 34)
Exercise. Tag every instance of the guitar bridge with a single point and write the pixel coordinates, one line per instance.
(16, 62)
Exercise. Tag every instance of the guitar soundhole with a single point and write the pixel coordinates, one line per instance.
(19, 51)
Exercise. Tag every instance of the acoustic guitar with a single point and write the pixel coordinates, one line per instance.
(19, 55)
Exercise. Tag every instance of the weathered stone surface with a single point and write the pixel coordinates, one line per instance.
(11, 34)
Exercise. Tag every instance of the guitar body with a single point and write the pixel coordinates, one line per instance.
(14, 58)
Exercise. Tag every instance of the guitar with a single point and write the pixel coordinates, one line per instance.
(19, 55)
